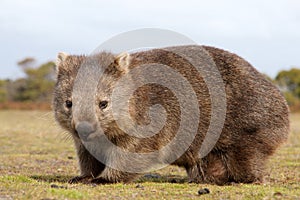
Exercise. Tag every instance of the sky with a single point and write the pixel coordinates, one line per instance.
(264, 32)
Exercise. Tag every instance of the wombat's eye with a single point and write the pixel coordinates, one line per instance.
(103, 104)
(69, 104)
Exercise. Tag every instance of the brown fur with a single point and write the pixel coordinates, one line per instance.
(256, 119)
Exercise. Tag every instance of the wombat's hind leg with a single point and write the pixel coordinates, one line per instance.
(211, 169)
(246, 163)
(195, 174)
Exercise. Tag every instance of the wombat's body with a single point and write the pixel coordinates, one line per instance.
(256, 120)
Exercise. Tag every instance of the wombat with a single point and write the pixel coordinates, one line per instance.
(256, 121)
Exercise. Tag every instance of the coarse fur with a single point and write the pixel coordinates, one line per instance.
(256, 123)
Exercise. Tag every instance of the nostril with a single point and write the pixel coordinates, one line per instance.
(84, 129)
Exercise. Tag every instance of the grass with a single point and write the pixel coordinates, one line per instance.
(37, 159)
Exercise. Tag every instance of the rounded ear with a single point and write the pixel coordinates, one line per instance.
(61, 57)
(123, 61)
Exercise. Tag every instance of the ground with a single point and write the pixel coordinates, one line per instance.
(37, 158)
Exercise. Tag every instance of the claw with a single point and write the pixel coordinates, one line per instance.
(79, 179)
(100, 180)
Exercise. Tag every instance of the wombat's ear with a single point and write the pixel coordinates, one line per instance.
(61, 57)
(123, 61)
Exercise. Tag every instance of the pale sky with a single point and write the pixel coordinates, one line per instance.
(264, 32)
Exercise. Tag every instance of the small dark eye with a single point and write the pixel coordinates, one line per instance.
(69, 104)
(103, 104)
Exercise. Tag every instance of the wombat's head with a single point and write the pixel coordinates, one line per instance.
(83, 116)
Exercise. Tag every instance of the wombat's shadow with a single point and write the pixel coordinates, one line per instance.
(51, 178)
(157, 178)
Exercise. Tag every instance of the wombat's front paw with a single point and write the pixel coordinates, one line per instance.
(100, 180)
(80, 179)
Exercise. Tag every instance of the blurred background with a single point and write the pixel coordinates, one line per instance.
(265, 33)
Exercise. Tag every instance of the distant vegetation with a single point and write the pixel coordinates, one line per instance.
(34, 91)
(289, 83)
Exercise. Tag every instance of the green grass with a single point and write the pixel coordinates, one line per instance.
(37, 159)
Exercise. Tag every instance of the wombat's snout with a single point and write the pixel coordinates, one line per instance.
(84, 129)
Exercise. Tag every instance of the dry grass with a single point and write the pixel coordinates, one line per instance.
(36, 160)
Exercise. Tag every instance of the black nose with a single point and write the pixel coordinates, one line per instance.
(84, 129)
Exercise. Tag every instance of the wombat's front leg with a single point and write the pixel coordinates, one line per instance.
(90, 167)
(110, 175)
